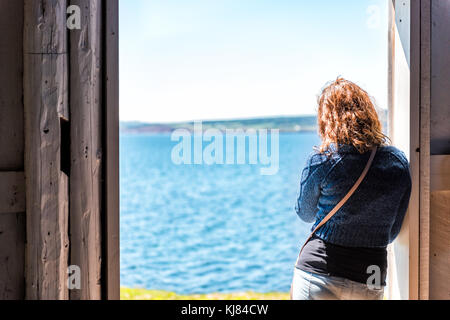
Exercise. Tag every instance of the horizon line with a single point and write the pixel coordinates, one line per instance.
(223, 119)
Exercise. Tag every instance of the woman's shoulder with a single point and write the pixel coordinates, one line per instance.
(395, 154)
(317, 158)
(320, 163)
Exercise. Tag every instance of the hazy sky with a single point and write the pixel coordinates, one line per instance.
(222, 59)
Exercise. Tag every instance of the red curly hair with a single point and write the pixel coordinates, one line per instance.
(347, 116)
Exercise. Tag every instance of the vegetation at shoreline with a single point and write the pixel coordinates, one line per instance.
(142, 294)
(307, 123)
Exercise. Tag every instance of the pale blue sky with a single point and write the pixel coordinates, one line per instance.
(222, 59)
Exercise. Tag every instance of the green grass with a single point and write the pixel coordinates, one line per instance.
(142, 294)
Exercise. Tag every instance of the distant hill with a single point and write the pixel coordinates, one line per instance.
(284, 124)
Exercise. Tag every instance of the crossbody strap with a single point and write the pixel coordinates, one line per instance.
(345, 199)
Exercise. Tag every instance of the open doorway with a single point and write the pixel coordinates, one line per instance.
(197, 225)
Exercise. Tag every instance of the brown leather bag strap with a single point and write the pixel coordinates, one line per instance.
(345, 199)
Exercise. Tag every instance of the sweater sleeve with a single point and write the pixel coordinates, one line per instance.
(310, 188)
(403, 207)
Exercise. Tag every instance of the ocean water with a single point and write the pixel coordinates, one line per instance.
(203, 229)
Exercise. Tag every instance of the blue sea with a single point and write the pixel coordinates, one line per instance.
(196, 229)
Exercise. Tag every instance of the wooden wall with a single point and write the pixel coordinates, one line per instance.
(45, 94)
(420, 92)
(86, 152)
(12, 186)
(58, 190)
(440, 79)
(403, 253)
(439, 285)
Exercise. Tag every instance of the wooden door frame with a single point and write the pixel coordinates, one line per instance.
(417, 221)
(411, 250)
(111, 194)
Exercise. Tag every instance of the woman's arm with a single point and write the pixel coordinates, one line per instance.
(310, 185)
(403, 207)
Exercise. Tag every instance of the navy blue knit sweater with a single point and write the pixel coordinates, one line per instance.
(373, 216)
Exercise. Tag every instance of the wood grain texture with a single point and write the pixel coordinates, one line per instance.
(111, 135)
(45, 102)
(413, 134)
(404, 108)
(86, 149)
(440, 173)
(11, 106)
(439, 246)
(12, 197)
(425, 112)
(440, 79)
(12, 256)
(12, 192)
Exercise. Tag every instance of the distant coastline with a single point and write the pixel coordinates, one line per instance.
(307, 123)
(284, 124)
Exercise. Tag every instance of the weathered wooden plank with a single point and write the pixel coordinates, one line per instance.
(45, 26)
(439, 246)
(45, 102)
(12, 198)
(111, 170)
(12, 255)
(11, 106)
(440, 173)
(86, 149)
(392, 280)
(425, 106)
(404, 131)
(440, 79)
(12, 192)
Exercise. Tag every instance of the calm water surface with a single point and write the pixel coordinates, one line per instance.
(204, 229)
